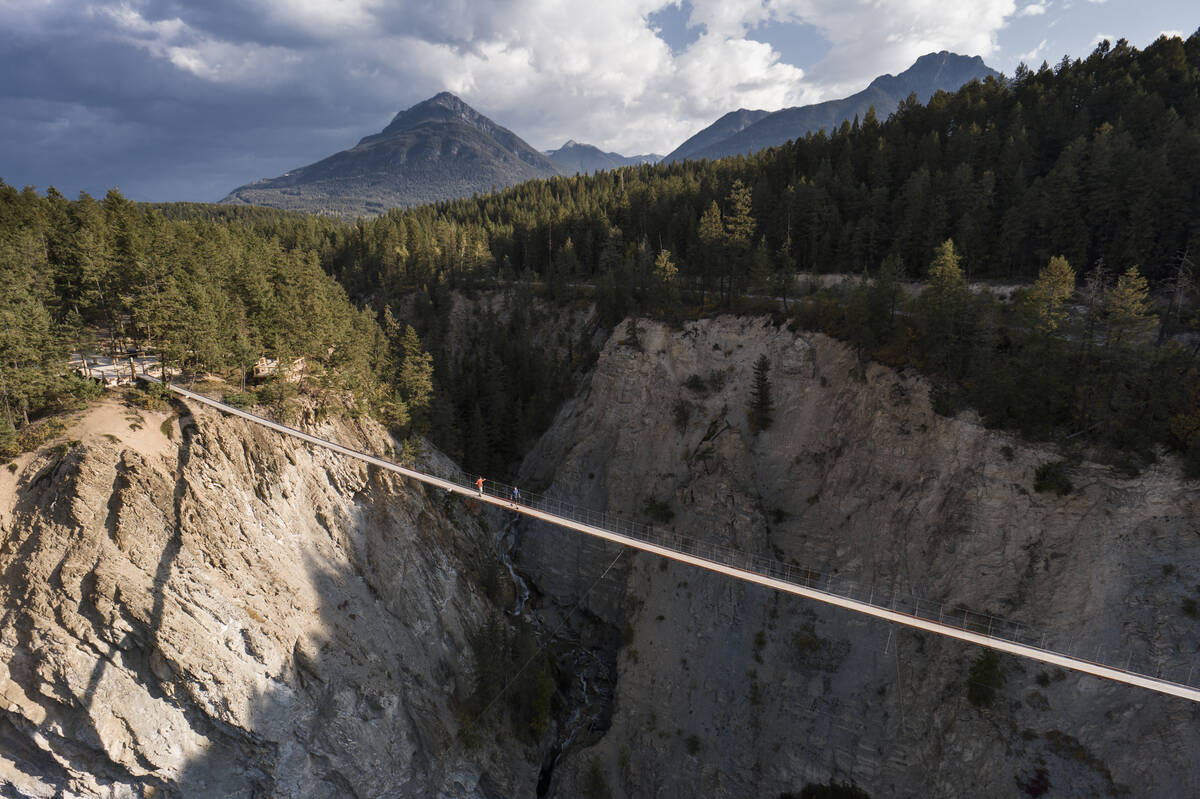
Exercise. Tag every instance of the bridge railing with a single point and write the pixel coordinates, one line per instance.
(1175, 667)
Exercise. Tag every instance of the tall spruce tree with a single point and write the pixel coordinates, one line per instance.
(762, 406)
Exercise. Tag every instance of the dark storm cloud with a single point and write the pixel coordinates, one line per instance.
(188, 99)
(456, 23)
(235, 21)
(89, 106)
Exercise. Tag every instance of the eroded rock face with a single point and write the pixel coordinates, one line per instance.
(223, 612)
(730, 690)
(228, 613)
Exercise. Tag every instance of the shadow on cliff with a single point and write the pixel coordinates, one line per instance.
(345, 715)
(71, 737)
(70, 729)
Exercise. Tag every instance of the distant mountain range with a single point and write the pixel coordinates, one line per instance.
(742, 131)
(576, 158)
(732, 123)
(442, 149)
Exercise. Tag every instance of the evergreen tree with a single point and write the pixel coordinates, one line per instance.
(665, 294)
(1128, 306)
(762, 407)
(711, 233)
(415, 378)
(30, 349)
(739, 238)
(1054, 286)
(941, 312)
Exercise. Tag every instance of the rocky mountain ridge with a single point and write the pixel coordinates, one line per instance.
(728, 125)
(742, 132)
(578, 158)
(439, 149)
(224, 613)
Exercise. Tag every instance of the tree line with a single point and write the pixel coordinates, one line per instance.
(208, 295)
(1097, 160)
(1086, 362)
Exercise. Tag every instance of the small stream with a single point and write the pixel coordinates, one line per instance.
(590, 692)
(504, 546)
(587, 714)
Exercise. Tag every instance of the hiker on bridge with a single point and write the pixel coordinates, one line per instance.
(479, 485)
(516, 494)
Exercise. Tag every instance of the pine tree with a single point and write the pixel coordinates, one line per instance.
(1054, 286)
(762, 407)
(711, 233)
(1128, 305)
(941, 310)
(8, 439)
(739, 236)
(415, 377)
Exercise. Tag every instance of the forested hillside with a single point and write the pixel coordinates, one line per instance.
(1096, 160)
(1085, 177)
(208, 296)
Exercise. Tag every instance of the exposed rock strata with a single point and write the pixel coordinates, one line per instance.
(228, 613)
(223, 612)
(859, 475)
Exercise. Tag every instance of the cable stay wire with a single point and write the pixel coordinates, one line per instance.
(954, 621)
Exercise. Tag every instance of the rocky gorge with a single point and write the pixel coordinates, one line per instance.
(220, 612)
(193, 606)
(731, 690)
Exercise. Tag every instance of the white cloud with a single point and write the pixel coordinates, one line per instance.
(871, 38)
(1033, 55)
(1103, 37)
(192, 51)
(589, 70)
(1173, 34)
(1032, 10)
(548, 69)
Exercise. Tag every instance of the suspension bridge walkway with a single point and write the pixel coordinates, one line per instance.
(933, 617)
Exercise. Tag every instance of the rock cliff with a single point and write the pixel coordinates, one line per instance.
(724, 689)
(193, 606)
(198, 607)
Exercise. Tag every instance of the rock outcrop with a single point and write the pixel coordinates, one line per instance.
(228, 613)
(725, 689)
(193, 606)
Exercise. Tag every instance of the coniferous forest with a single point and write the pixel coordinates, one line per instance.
(1078, 182)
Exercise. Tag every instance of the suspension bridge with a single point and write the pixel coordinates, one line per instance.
(954, 622)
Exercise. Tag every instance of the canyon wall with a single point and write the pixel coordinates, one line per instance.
(726, 689)
(193, 605)
(197, 606)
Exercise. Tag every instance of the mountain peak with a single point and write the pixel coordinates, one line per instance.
(745, 131)
(439, 149)
(583, 158)
(442, 107)
(940, 69)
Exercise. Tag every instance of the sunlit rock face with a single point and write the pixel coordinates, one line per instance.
(224, 612)
(196, 606)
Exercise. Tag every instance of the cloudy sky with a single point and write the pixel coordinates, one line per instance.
(184, 100)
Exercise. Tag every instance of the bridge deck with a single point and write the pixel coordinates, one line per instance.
(716, 559)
